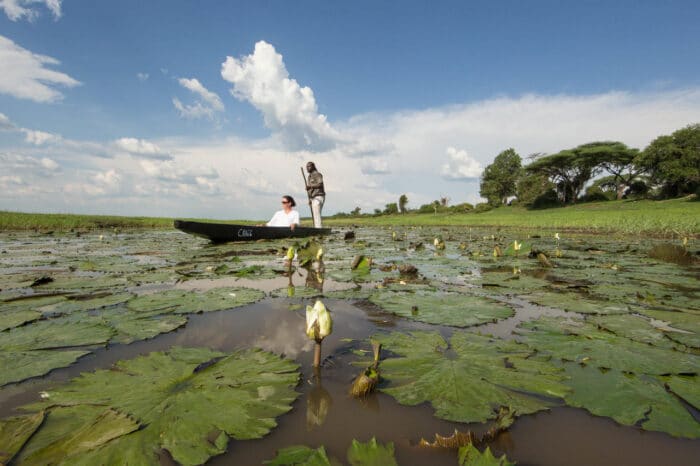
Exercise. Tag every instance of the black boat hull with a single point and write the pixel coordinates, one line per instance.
(224, 232)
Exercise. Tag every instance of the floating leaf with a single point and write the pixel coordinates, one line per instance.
(21, 365)
(14, 433)
(371, 454)
(300, 455)
(579, 341)
(21, 311)
(469, 378)
(184, 302)
(687, 388)
(180, 397)
(455, 309)
(471, 456)
(630, 400)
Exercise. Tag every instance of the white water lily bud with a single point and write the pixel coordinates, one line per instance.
(319, 254)
(290, 253)
(516, 245)
(318, 321)
(556, 236)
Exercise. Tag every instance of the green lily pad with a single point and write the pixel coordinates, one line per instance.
(687, 388)
(634, 327)
(54, 333)
(470, 456)
(580, 341)
(189, 401)
(14, 433)
(454, 309)
(468, 378)
(681, 327)
(21, 365)
(21, 311)
(576, 302)
(185, 302)
(133, 326)
(87, 303)
(371, 454)
(300, 455)
(630, 400)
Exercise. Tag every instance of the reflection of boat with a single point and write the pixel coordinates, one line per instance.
(224, 232)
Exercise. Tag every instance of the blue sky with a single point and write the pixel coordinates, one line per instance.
(209, 108)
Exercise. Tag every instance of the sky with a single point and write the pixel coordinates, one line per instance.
(208, 108)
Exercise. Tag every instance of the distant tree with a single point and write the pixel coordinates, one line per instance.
(617, 159)
(499, 179)
(673, 162)
(531, 186)
(569, 170)
(403, 200)
(355, 211)
(391, 208)
(377, 212)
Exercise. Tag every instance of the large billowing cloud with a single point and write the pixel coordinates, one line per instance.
(206, 105)
(18, 9)
(288, 109)
(25, 76)
(460, 166)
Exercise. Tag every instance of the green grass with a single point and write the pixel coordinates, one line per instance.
(673, 218)
(676, 217)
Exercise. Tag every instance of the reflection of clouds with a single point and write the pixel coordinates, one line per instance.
(284, 335)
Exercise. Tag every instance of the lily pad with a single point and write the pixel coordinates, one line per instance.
(576, 302)
(189, 401)
(454, 309)
(371, 454)
(20, 311)
(300, 455)
(630, 400)
(681, 327)
(687, 388)
(470, 456)
(634, 327)
(21, 365)
(185, 302)
(468, 378)
(580, 341)
(15, 431)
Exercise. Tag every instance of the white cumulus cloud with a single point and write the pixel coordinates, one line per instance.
(142, 76)
(460, 165)
(18, 9)
(39, 138)
(25, 76)
(206, 105)
(288, 109)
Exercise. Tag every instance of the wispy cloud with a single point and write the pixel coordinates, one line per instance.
(18, 9)
(25, 76)
(141, 148)
(288, 109)
(142, 76)
(207, 104)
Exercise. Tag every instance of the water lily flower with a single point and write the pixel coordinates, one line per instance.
(44, 395)
(516, 245)
(556, 236)
(290, 253)
(319, 254)
(318, 321)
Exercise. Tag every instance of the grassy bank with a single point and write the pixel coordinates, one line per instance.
(672, 218)
(676, 217)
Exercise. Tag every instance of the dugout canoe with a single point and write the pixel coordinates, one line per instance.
(225, 232)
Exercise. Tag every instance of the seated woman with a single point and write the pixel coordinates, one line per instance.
(287, 217)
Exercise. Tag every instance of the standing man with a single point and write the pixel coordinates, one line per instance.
(317, 194)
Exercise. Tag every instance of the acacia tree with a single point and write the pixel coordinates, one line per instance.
(617, 159)
(674, 161)
(499, 179)
(403, 200)
(569, 170)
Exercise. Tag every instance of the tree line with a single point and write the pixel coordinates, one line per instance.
(596, 171)
(668, 167)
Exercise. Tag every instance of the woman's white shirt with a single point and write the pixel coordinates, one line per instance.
(283, 219)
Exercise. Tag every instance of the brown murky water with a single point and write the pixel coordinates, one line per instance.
(326, 415)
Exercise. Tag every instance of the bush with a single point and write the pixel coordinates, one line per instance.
(462, 208)
(482, 207)
(546, 200)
